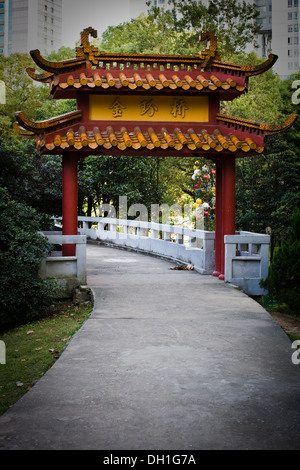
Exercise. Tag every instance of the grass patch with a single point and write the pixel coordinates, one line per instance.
(287, 319)
(33, 348)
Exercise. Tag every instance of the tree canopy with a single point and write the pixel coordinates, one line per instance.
(177, 31)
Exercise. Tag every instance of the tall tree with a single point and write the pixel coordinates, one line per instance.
(268, 185)
(177, 30)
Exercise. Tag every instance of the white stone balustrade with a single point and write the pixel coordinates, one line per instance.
(169, 241)
(69, 271)
(246, 253)
(247, 261)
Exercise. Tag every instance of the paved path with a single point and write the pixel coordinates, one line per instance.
(169, 360)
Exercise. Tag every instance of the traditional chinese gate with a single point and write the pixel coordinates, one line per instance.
(149, 105)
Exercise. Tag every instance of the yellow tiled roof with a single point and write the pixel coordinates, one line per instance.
(121, 79)
(149, 139)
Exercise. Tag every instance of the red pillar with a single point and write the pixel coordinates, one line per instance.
(218, 229)
(69, 200)
(228, 204)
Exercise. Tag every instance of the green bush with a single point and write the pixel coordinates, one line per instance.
(24, 296)
(284, 275)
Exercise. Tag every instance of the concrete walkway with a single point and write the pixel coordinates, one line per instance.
(169, 360)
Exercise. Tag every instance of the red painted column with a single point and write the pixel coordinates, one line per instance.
(228, 204)
(218, 226)
(69, 200)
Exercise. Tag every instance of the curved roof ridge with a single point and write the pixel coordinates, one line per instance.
(268, 129)
(52, 123)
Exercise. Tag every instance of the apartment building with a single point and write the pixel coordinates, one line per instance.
(285, 36)
(30, 24)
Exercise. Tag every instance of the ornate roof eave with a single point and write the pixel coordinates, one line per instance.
(266, 129)
(23, 132)
(88, 56)
(58, 134)
(57, 67)
(127, 141)
(48, 125)
(247, 70)
(157, 83)
(28, 128)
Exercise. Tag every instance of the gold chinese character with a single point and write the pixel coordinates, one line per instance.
(179, 108)
(148, 107)
(117, 108)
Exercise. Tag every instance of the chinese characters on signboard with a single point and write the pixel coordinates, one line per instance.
(149, 108)
(117, 108)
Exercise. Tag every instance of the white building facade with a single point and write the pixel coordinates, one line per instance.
(30, 24)
(285, 36)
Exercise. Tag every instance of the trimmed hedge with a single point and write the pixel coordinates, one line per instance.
(284, 275)
(24, 296)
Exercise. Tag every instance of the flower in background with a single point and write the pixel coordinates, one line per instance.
(206, 186)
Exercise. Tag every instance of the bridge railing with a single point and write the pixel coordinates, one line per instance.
(68, 271)
(247, 260)
(170, 241)
(246, 253)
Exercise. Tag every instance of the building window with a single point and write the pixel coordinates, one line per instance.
(296, 28)
(290, 28)
(296, 40)
(295, 15)
(290, 3)
(290, 16)
(290, 53)
(290, 40)
(295, 3)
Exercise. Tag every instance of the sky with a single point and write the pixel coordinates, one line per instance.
(80, 14)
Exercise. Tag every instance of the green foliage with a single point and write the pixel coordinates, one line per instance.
(21, 92)
(263, 102)
(177, 31)
(63, 53)
(23, 295)
(29, 356)
(284, 275)
(104, 179)
(24, 94)
(30, 178)
(268, 185)
(231, 21)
